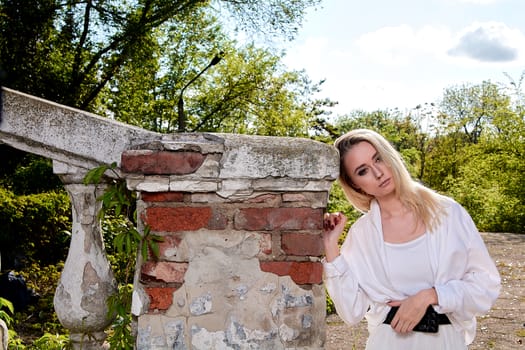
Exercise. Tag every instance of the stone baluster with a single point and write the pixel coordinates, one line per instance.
(87, 281)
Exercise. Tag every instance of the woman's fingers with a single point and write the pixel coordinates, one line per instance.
(331, 220)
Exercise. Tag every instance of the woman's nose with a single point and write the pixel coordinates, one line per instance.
(377, 172)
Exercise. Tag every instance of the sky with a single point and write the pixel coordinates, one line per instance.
(384, 54)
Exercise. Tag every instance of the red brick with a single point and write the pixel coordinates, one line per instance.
(255, 219)
(218, 221)
(162, 196)
(164, 271)
(265, 243)
(178, 219)
(301, 272)
(160, 298)
(169, 242)
(150, 162)
(302, 244)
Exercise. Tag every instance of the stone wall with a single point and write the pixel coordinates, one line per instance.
(241, 217)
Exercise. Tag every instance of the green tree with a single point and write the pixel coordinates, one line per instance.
(490, 179)
(248, 91)
(468, 109)
(463, 116)
(68, 51)
(475, 153)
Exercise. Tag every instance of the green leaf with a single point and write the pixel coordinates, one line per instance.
(95, 175)
(136, 235)
(144, 249)
(154, 246)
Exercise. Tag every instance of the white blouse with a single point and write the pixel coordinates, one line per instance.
(409, 265)
(463, 274)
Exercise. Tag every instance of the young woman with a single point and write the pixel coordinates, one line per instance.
(414, 264)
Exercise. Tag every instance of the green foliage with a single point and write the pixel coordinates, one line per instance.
(40, 318)
(6, 311)
(471, 148)
(34, 235)
(15, 342)
(269, 19)
(131, 60)
(119, 222)
(120, 335)
(34, 225)
(68, 51)
(490, 186)
(337, 202)
(116, 197)
(330, 307)
(23, 179)
(471, 109)
(19, 171)
(248, 91)
(252, 93)
(118, 204)
(478, 155)
(52, 342)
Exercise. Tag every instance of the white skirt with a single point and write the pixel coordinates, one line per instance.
(384, 337)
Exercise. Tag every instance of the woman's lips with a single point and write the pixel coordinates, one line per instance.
(384, 183)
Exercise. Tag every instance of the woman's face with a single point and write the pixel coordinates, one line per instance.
(367, 170)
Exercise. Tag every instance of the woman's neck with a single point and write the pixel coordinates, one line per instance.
(391, 207)
(400, 224)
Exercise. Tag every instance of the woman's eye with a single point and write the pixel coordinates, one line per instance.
(361, 172)
(378, 159)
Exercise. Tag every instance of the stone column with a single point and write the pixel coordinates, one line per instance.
(4, 335)
(87, 280)
(240, 263)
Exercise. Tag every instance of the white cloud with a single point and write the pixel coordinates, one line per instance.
(403, 44)
(487, 42)
(367, 66)
(490, 42)
(373, 94)
(317, 55)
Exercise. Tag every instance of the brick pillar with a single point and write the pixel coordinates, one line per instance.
(241, 218)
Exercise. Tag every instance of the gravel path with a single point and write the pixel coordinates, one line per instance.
(501, 329)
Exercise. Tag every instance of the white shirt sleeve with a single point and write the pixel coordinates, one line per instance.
(350, 301)
(474, 291)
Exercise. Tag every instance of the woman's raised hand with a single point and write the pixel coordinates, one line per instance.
(333, 227)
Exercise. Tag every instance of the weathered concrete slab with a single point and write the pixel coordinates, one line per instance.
(65, 134)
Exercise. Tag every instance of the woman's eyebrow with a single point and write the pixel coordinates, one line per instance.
(356, 170)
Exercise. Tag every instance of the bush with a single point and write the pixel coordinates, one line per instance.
(51, 342)
(34, 228)
(39, 318)
(26, 173)
(6, 311)
(490, 187)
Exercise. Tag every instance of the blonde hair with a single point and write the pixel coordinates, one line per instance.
(425, 203)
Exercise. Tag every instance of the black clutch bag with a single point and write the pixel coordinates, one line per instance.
(429, 323)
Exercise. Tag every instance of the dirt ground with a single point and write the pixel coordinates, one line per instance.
(501, 329)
